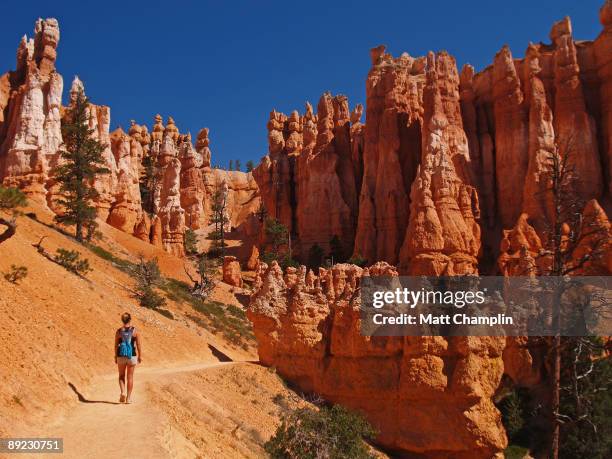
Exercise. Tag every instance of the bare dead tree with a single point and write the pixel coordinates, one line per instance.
(566, 229)
(204, 283)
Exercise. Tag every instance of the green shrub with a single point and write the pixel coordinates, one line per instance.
(11, 198)
(325, 433)
(149, 298)
(191, 242)
(213, 235)
(336, 250)
(148, 277)
(287, 261)
(513, 416)
(16, 273)
(72, 261)
(177, 290)
(358, 260)
(92, 233)
(515, 452)
(268, 257)
(147, 273)
(102, 253)
(315, 256)
(589, 433)
(284, 260)
(520, 417)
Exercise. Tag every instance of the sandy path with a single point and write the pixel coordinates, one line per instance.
(100, 427)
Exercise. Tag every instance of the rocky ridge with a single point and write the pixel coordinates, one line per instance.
(426, 395)
(183, 180)
(308, 180)
(452, 171)
(494, 128)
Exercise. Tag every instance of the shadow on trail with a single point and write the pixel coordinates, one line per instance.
(220, 356)
(84, 400)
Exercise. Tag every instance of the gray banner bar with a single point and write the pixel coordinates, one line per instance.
(31, 445)
(486, 306)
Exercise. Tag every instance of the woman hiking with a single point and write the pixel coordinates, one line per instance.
(128, 352)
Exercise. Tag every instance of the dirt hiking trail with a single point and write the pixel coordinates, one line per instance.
(100, 426)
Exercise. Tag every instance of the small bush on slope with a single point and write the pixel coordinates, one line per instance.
(327, 433)
(148, 277)
(16, 273)
(11, 198)
(131, 269)
(228, 320)
(149, 298)
(72, 261)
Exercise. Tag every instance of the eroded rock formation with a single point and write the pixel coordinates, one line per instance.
(391, 155)
(498, 129)
(451, 164)
(311, 176)
(192, 186)
(30, 100)
(443, 235)
(252, 263)
(602, 50)
(181, 179)
(232, 274)
(126, 209)
(426, 395)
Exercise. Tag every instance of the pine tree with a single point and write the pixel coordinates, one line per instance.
(277, 235)
(204, 283)
(585, 407)
(231, 165)
(250, 166)
(147, 183)
(336, 251)
(315, 256)
(219, 219)
(83, 161)
(191, 242)
(238, 165)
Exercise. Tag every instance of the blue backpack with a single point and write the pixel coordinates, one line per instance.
(125, 346)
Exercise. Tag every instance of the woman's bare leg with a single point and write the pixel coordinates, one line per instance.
(122, 367)
(130, 381)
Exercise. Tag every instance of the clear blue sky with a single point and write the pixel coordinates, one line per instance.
(226, 64)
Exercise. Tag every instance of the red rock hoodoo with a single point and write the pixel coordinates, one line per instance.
(31, 141)
(487, 135)
(429, 395)
(452, 174)
(309, 180)
(447, 177)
